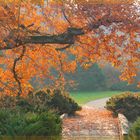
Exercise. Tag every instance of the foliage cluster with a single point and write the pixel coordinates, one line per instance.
(92, 79)
(127, 104)
(36, 114)
(63, 103)
(30, 49)
(15, 123)
(134, 132)
(41, 101)
(97, 79)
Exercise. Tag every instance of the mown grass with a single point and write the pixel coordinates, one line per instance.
(84, 97)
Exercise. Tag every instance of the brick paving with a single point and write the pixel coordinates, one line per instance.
(89, 123)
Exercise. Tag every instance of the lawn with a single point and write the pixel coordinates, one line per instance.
(84, 97)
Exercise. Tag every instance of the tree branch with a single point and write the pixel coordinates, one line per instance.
(106, 21)
(65, 16)
(14, 70)
(67, 37)
(64, 48)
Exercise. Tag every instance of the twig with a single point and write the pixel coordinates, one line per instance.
(64, 48)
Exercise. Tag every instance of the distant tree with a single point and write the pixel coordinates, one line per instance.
(114, 83)
(88, 80)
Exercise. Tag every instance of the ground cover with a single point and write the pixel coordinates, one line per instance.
(84, 97)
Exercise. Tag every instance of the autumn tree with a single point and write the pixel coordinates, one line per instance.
(39, 35)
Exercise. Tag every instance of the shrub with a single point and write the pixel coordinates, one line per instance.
(7, 122)
(45, 124)
(29, 124)
(63, 103)
(127, 104)
(24, 104)
(134, 132)
(7, 101)
(55, 100)
(41, 101)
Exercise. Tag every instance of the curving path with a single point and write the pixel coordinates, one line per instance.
(99, 104)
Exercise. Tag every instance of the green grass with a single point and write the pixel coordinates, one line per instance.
(84, 97)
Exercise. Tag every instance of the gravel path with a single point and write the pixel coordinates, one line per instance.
(98, 104)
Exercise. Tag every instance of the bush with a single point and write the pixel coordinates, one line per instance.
(134, 132)
(45, 124)
(29, 124)
(7, 101)
(32, 115)
(24, 104)
(41, 101)
(127, 104)
(9, 122)
(63, 103)
(54, 100)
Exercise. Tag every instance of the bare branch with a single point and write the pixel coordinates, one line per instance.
(14, 70)
(65, 16)
(64, 48)
(67, 37)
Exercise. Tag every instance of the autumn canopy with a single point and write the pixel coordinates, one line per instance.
(38, 36)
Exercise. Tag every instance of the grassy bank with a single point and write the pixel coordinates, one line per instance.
(84, 97)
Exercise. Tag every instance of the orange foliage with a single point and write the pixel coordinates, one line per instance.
(110, 35)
